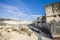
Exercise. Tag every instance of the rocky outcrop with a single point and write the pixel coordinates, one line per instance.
(55, 28)
(40, 26)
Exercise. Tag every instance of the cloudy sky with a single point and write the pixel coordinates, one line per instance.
(23, 9)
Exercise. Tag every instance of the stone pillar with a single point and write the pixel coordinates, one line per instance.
(53, 19)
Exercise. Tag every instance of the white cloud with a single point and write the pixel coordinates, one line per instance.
(16, 12)
(35, 15)
(13, 10)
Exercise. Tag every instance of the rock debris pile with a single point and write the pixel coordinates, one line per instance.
(17, 33)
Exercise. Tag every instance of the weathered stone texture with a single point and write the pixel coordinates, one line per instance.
(53, 19)
(52, 11)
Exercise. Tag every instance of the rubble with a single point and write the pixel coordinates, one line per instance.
(17, 33)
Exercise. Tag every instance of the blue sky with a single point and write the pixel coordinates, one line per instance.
(23, 9)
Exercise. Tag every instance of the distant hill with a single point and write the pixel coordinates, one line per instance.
(12, 21)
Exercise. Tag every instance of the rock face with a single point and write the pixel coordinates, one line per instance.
(53, 19)
(55, 28)
(41, 27)
(52, 11)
